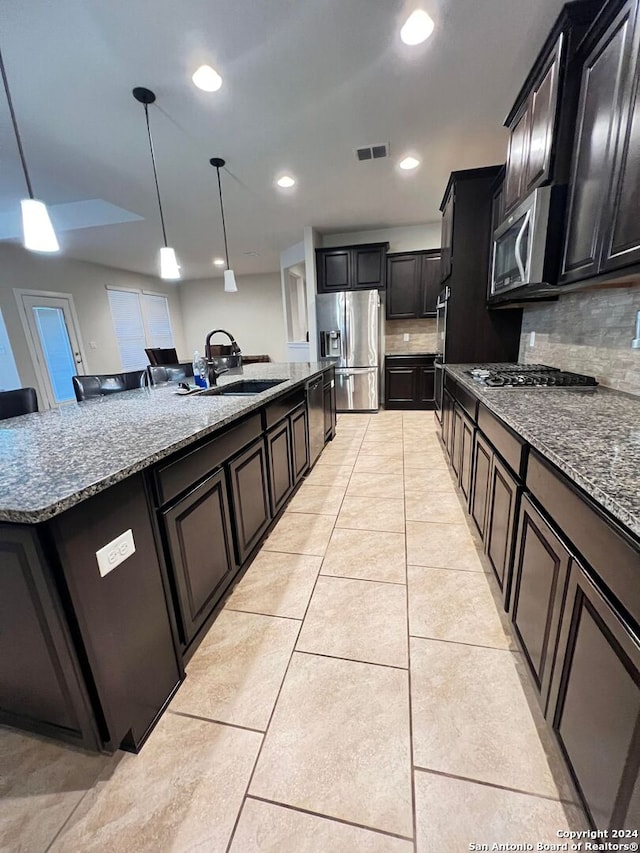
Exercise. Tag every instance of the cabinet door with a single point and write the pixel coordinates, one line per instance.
(544, 98)
(401, 385)
(403, 286)
(446, 243)
(447, 419)
(622, 242)
(280, 456)
(426, 384)
(250, 494)
(368, 267)
(594, 705)
(456, 440)
(430, 284)
(466, 457)
(539, 579)
(200, 543)
(597, 127)
(300, 439)
(501, 522)
(329, 396)
(517, 160)
(334, 269)
(482, 460)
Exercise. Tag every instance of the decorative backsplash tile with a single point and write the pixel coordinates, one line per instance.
(422, 336)
(588, 332)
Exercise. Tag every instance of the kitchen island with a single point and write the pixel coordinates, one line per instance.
(551, 479)
(123, 522)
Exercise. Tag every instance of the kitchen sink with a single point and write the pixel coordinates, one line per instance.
(244, 388)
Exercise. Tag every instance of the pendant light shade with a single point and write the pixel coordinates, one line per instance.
(230, 285)
(169, 268)
(37, 230)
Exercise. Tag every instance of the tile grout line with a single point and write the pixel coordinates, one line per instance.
(215, 722)
(329, 818)
(364, 580)
(406, 570)
(268, 615)
(275, 704)
(461, 643)
(495, 785)
(351, 660)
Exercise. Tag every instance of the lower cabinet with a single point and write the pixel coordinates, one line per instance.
(409, 382)
(447, 420)
(466, 456)
(300, 442)
(250, 496)
(456, 440)
(502, 508)
(483, 457)
(594, 705)
(201, 563)
(329, 396)
(280, 456)
(537, 590)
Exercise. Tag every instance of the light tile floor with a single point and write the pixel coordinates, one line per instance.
(360, 691)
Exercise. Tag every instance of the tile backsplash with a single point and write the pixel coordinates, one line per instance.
(422, 336)
(589, 332)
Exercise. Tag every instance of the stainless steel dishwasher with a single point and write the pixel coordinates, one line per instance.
(315, 405)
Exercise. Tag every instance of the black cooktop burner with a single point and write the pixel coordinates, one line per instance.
(530, 375)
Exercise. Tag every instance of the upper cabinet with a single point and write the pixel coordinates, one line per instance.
(352, 267)
(413, 284)
(446, 242)
(541, 120)
(603, 226)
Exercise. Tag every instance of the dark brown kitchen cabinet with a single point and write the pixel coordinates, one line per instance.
(409, 382)
(482, 460)
(502, 507)
(594, 704)
(300, 442)
(517, 160)
(280, 457)
(351, 267)
(447, 420)
(537, 591)
(446, 242)
(598, 126)
(200, 542)
(329, 396)
(250, 496)
(413, 284)
(622, 234)
(456, 440)
(466, 456)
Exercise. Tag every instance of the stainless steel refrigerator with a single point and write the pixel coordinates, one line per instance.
(349, 324)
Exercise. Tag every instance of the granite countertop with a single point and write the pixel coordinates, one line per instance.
(55, 459)
(593, 436)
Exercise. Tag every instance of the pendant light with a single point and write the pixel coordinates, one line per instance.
(169, 268)
(37, 230)
(229, 276)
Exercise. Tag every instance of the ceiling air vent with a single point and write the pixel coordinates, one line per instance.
(372, 152)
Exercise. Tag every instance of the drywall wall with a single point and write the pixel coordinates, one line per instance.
(588, 332)
(254, 315)
(87, 284)
(406, 238)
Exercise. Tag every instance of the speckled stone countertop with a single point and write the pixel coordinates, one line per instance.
(592, 436)
(52, 460)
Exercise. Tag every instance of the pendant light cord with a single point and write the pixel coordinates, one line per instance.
(224, 227)
(15, 127)
(155, 174)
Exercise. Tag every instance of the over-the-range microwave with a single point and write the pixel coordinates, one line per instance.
(527, 246)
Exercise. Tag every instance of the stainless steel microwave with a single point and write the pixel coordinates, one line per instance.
(523, 246)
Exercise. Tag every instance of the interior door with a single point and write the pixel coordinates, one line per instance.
(54, 342)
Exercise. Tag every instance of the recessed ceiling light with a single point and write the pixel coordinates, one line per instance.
(207, 79)
(286, 181)
(219, 262)
(417, 28)
(409, 163)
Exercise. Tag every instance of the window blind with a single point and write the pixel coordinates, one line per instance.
(139, 320)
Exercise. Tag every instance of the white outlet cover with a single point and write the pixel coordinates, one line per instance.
(532, 339)
(115, 552)
(406, 336)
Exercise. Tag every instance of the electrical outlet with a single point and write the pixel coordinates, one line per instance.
(406, 337)
(532, 340)
(116, 552)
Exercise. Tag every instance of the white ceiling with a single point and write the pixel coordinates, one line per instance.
(305, 82)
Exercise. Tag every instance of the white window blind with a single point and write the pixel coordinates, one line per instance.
(9, 378)
(140, 320)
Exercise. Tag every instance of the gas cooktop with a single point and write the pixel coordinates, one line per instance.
(530, 376)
